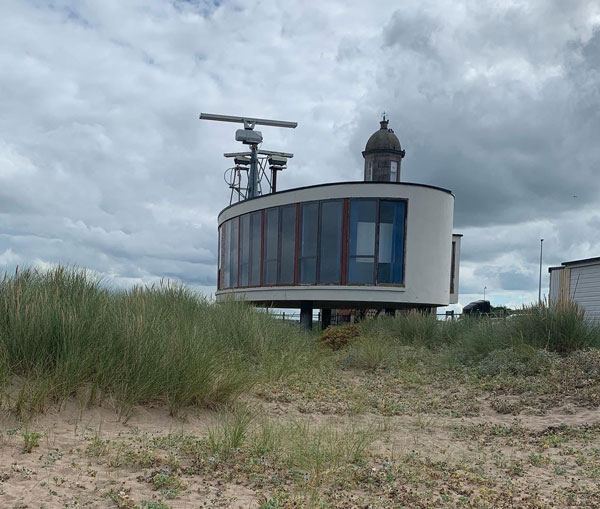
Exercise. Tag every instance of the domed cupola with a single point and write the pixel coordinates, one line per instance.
(383, 155)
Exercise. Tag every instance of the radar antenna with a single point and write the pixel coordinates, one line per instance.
(255, 163)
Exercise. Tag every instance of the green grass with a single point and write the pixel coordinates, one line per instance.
(524, 344)
(64, 333)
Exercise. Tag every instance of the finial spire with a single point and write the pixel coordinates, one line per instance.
(384, 121)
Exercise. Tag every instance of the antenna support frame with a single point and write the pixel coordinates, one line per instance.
(257, 165)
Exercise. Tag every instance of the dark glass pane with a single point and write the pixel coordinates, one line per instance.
(452, 267)
(330, 258)
(219, 260)
(360, 270)
(308, 270)
(244, 249)
(308, 242)
(271, 233)
(391, 242)
(255, 241)
(271, 242)
(270, 276)
(233, 281)
(363, 216)
(308, 233)
(227, 255)
(288, 245)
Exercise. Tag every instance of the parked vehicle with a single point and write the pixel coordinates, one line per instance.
(477, 307)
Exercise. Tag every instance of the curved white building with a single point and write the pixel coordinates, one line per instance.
(377, 244)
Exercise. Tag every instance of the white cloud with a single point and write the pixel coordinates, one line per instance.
(104, 164)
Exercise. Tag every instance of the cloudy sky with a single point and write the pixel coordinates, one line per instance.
(104, 163)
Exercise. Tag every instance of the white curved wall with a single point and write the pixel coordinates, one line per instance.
(428, 243)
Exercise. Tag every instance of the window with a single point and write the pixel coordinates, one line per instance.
(361, 254)
(271, 245)
(219, 259)
(452, 266)
(255, 236)
(288, 244)
(390, 257)
(233, 279)
(244, 249)
(393, 171)
(330, 240)
(226, 254)
(250, 235)
(229, 270)
(307, 260)
(369, 176)
(263, 247)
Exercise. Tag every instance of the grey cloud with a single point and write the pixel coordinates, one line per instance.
(506, 145)
(104, 164)
(413, 30)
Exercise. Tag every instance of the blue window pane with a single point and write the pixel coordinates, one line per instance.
(255, 242)
(360, 270)
(288, 245)
(363, 214)
(308, 269)
(330, 253)
(219, 260)
(308, 242)
(390, 259)
(361, 255)
(271, 245)
(233, 280)
(226, 254)
(244, 249)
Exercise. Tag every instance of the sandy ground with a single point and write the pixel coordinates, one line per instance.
(62, 470)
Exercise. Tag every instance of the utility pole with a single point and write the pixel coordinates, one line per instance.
(540, 283)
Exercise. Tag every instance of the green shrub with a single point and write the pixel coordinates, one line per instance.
(520, 360)
(336, 337)
(581, 369)
(31, 440)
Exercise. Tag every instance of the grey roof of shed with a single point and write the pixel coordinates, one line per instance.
(584, 260)
(595, 259)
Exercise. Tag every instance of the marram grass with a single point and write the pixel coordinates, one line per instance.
(555, 329)
(63, 334)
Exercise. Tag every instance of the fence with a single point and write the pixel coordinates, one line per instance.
(339, 319)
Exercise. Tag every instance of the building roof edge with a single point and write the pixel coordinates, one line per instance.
(353, 182)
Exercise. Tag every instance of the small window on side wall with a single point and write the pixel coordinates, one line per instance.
(369, 171)
(393, 171)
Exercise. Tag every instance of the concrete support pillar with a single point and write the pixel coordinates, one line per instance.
(306, 310)
(325, 318)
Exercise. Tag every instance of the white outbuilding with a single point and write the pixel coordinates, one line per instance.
(578, 280)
